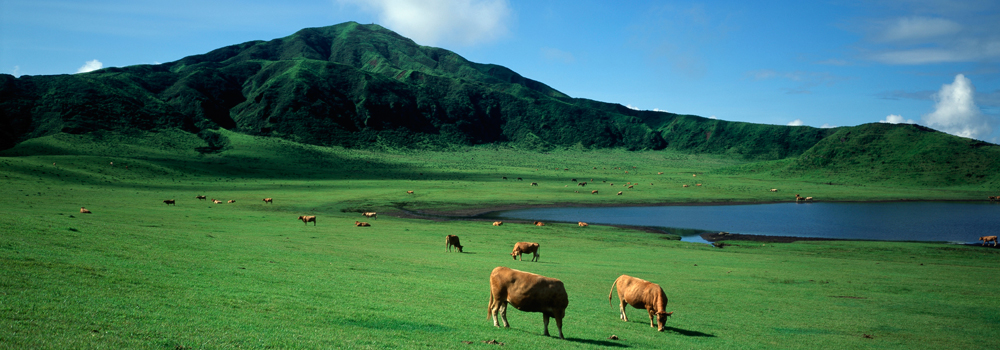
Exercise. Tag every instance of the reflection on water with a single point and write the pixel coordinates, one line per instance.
(893, 221)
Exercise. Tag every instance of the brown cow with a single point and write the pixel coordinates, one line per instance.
(987, 239)
(527, 292)
(534, 184)
(774, 190)
(641, 294)
(409, 192)
(582, 224)
(200, 197)
(497, 223)
(360, 224)
(524, 248)
(539, 223)
(593, 192)
(84, 211)
(306, 219)
(231, 201)
(619, 193)
(370, 214)
(170, 202)
(268, 200)
(452, 240)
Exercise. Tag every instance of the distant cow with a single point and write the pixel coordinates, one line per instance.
(231, 201)
(534, 184)
(497, 223)
(170, 202)
(505, 178)
(527, 292)
(987, 239)
(306, 219)
(538, 223)
(216, 201)
(582, 224)
(409, 192)
(641, 294)
(200, 197)
(452, 240)
(370, 214)
(361, 224)
(582, 184)
(268, 200)
(524, 248)
(84, 211)
(774, 190)
(593, 192)
(518, 179)
(619, 193)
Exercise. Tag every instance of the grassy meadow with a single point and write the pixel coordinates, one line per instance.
(137, 273)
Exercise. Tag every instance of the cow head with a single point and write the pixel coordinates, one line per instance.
(459, 248)
(513, 255)
(661, 319)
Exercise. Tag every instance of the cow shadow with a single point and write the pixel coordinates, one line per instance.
(597, 342)
(688, 333)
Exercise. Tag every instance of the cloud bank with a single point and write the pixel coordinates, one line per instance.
(434, 22)
(956, 113)
(796, 122)
(896, 119)
(90, 66)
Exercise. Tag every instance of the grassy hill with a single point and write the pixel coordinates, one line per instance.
(137, 273)
(363, 86)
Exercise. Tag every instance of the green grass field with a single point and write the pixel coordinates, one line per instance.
(137, 273)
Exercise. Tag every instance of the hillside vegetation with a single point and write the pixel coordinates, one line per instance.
(363, 86)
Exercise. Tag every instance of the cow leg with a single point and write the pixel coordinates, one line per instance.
(621, 307)
(545, 322)
(559, 325)
(503, 314)
(652, 317)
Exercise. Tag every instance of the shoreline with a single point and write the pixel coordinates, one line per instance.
(486, 214)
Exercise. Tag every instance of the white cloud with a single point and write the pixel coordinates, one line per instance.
(632, 107)
(16, 72)
(712, 117)
(918, 28)
(557, 55)
(956, 113)
(796, 122)
(433, 22)
(90, 66)
(897, 119)
(827, 126)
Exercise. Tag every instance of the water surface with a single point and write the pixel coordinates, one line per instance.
(892, 221)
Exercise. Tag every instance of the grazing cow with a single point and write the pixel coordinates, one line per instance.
(582, 224)
(409, 192)
(361, 224)
(573, 180)
(641, 294)
(268, 200)
(619, 193)
(170, 202)
(659, 173)
(685, 185)
(452, 240)
(505, 178)
(306, 219)
(694, 175)
(994, 198)
(216, 201)
(534, 184)
(200, 197)
(987, 239)
(370, 214)
(699, 185)
(497, 223)
(524, 248)
(593, 192)
(518, 179)
(774, 190)
(630, 186)
(800, 198)
(84, 211)
(231, 201)
(527, 292)
(539, 223)
(582, 184)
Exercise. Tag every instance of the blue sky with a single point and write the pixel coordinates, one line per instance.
(816, 63)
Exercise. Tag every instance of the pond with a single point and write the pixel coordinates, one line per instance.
(956, 222)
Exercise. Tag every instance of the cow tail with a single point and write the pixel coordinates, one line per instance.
(489, 307)
(612, 292)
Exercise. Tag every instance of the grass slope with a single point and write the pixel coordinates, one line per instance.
(140, 274)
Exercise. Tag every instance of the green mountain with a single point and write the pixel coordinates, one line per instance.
(356, 85)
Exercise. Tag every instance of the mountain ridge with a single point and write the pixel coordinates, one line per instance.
(357, 85)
